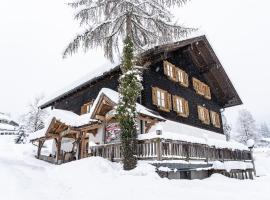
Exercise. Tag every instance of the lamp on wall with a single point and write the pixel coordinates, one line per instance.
(159, 129)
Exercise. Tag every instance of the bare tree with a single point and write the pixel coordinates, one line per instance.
(246, 127)
(264, 130)
(33, 120)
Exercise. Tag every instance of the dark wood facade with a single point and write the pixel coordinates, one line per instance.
(194, 56)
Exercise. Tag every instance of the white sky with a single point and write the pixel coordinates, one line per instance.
(33, 35)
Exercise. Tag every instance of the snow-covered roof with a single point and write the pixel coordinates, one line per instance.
(104, 69)
(114, 96)
(7, 127)
(208, 141)
(4, 117)
(266, 139)
(67, 117)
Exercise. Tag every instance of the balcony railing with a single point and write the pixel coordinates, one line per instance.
(161, 149)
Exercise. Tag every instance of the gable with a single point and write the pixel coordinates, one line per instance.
(203, 57)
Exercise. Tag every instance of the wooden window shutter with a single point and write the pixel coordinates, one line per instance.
(174, 103)
(186, 108)
(185, 79)
(84, 109)
(165, 67)
(196, 84)
(200, 112)
(168, 101)
(218, 120)
(207, 92)
(207, 118)
(154, 95)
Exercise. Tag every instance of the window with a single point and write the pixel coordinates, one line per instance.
(215, 119)
(201, 88)
(161, 98)
(203, 115)
(86, 107)
(180, 105)
(169, 70)
(182, 77)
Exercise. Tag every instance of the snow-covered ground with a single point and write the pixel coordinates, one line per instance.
(24, 177)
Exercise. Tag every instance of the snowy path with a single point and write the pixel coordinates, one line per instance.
(24, 177)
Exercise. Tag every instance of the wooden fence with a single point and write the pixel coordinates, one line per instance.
(161, 149)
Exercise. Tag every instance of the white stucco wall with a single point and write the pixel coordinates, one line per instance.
(98, 138)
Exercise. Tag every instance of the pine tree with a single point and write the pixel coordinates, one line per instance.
(22, 136)
(140, 24)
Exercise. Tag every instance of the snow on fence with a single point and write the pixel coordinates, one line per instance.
(166, 149)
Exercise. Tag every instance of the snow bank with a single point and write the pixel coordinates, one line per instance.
(229, 165)
(25, 178)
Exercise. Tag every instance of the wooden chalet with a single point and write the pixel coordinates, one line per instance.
(185, 90)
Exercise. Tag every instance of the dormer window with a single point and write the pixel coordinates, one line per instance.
(86, 107)
(161, 98)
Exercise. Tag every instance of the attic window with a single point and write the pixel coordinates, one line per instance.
(86, 107)
(169, 70)
(161, 98)
(203, 115)
(201, 88)
(180, 105)
(215, 119)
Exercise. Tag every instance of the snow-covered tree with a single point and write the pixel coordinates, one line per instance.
(22, 136)
(108, 22)
(264, 130)
(227, 128)
(246, 127)
(135, 25)
(33, 120)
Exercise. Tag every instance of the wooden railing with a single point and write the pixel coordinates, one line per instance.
(161, 149)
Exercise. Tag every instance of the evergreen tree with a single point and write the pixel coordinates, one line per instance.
(22, 136)
(140, 24)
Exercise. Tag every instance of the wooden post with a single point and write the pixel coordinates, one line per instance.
(159, 149)
(40, 144)
(58, 149)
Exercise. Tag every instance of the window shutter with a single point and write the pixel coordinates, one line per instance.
(186, 108)
(185, 79)
(174, 74)
(200, 113)
(174, 104)
(83, 109)
(207, 92)
(154, 95)
(196, 84)
(165, 67)
(218, 121)
(207, 118)
(168, 101)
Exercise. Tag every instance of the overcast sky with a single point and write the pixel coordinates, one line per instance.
(33, 35)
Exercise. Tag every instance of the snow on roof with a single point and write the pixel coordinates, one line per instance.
(266, 139)
(67, 117)
(7, 127)
(4, 117)
(114, 96)
(106, 67)
(208, 141)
